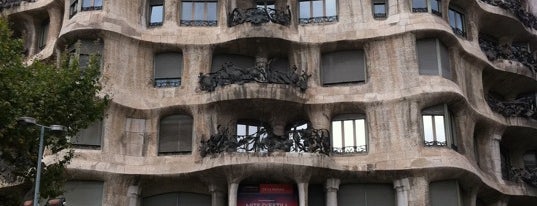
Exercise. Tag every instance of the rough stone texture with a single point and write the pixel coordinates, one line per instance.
(392, 98)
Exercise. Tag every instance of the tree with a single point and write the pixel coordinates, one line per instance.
(53, 94)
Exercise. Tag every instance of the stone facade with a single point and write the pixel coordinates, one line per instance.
(392, 98)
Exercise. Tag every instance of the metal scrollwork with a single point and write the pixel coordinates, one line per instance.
(306, 140)
(232, 74)
(514, 53)
(515, 7)
(521, 107)
(316, 20)
(528, 175)
(199, 23)
(258, 16)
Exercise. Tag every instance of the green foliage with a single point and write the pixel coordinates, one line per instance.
(53, 94)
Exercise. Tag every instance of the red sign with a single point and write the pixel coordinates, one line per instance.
(267, 195)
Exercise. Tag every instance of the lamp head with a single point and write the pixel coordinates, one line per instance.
(26, 121)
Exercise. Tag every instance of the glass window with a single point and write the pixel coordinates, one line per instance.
(436, 7)
(343, 67)
(90, 136)
(43, 34)
(380, 8)
(456, 21)
(366, 195)
(88, 5)
(295, 134)
(419, 5)
(266, 4)
(156, 12)
(73, 8)
(168, 69)
(530, 160)
(199, 13)
(433, 58)
(175, 134)
(250, 136)
(83, 50)
(445, 193)
(349, 134)
(437, 126)
(317, 11)
(88, 193)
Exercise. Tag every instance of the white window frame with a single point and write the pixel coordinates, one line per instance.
(446, 126)
(93, 5)
(151, 6)
(299, 126)
(341, 146)
(203, 21)
(459, 15)
(384, 3)
(429, 9)
(322, 18)
(248, 128)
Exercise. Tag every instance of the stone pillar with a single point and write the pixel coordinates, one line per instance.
(217, 196)
(332, 186)
(170, 12)
(133, 193)
(232, 193)
(496, 156)
(319, 117)
(302, 193)
(55, 23)
(418, 193)
(401, 187)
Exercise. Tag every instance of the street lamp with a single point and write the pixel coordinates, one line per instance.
(54, 128)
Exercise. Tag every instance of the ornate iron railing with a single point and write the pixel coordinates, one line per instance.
(319, 19)
(349, 149)
(5, 4)
(91, 8)
(527, 175)
(494, 51)
(232, 74)
(199, 23)
(515, 7)
(436, 12)
(521, 107)
(459, 32)
(167, 82)
(258, 16)
(420, 10)
(307, 140)
(435, 143)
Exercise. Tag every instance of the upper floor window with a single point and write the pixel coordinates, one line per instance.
(438, 126)
(168, 69)
(156, 12)
(88, 5)
(88, 193)
(295, 133)
(456, 21)
(317, 11)
(266, 4)
(90, 136)
(43, 34)
(240, 61)
(424, 5)
(380, 8)
(250, 135)
(199, 13)
(83, 50)
(73, 8)
(530, 159)
(433, 58)
(343, 67)
(349, 133)
(175, 134)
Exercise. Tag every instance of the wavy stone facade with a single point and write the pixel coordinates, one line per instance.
(480, 97)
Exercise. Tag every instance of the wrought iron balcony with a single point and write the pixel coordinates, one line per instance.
(349, 149)
(258, 16)
(306, 140)
(167, 82)
(435, 143)
(521, 107)
(319, 19)
(5, 4)
(420, 10)
(199, 23)
(232, 74)
(515, 7)
(459, 32)
(494, 51)
(527, 175)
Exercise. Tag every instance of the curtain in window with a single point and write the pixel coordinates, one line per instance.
(343, 67)
(175, 134)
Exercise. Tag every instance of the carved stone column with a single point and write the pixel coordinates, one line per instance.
(302, 193)
(55, 23)
(332, 186)
(401, 187)
(232, 193)
(133, 193)
(418, 193)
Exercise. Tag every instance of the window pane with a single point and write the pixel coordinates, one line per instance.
(348, 128)
(529, 160)
(427, 56)
(380, 8)
(186, 11)
(156, 14)
(241, 130)
(428, 128)
(459, 21)
(199, 11)
(419, 4)
(360, 132)
(451, 15)
(337, 136)
(331, 8)
(211, 11)
(440, 128)
(86, 3)
(98, 3)
(318, 8)
(435, 5)
(252, 130)
(305, 9)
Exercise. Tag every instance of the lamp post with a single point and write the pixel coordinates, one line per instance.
(56, 128)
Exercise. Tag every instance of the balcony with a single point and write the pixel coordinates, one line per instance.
(493, 51)
(264, 140)
(515, 7)
(521, 107)
(258, 16)
(167, 82)
(6, 4)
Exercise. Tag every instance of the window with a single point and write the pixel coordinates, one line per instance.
(424, 5)
(90, 136)
(175, 134)
(43, 34)
(343, 67)
(433, 58)
(456, 21)
(88, 5)
(295, 133)
(380, 8)
(251, 134)
(156, 12)
(349, 133)
(530, 160)
(199, 13)
(366, 194)
(83, 50)
(88, 193)
(505, 162)
(73, 8)
(445, 193)
(240, 61)
(437, 126)
(178, 199)
(266, 4)
(317, 11)
(168, 69)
